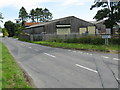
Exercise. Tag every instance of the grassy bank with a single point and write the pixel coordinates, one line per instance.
(79, 46)
(12, 75)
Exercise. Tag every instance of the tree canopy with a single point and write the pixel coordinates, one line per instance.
(10, 27)
(23, 15)
(1, 17)
(35, 15)
(109, 11)
(47, 15)
(32, 15)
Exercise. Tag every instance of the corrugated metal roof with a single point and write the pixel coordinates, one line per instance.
(31, 23)
(52, 21)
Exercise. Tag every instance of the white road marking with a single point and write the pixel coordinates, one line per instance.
(86, 68)
(74, 51)
(36, 50)
(80, 52)
(118, 79)
(116, 59)
(105, 57)
(90, 54)
(49, 55)
(29, 47)
(87, 53)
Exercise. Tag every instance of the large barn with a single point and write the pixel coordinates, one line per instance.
(64, 26)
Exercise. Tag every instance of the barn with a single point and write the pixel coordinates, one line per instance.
(65, 27)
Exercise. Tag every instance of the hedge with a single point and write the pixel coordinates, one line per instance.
(95, 40)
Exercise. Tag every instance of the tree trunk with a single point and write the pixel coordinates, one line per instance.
(112, 31)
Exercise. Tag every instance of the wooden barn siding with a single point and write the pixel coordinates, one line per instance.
(77, 23)
(101, 26)
(29, 31)
(51, 28)
(38, 30)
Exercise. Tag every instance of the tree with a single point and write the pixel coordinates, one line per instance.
(19, 29)
(23, 15)
(10, 27)
(110, 10)
(32, 15)
(38, 14)
(1, 17)
(5, 33)
(47, 15)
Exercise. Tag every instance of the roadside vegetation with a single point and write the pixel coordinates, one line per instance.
(90, 43)
(12, 75)
(79, 46)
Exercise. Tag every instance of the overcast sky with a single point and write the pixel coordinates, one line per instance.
(59, 8)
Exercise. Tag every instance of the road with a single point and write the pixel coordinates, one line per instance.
(64, 68)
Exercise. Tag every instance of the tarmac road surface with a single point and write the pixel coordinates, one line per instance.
(64, 68)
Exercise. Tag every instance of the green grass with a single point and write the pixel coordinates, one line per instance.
(12, 75)
(79, 46)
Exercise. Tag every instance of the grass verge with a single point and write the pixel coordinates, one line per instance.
(12, 75)
(79, 46)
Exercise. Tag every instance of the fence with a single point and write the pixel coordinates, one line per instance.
(44, 37)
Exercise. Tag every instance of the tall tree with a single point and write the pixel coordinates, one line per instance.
(10, 26)
(23, 15)
(47, 15)
(32, 15)
(1, 17)
(110, 10)
(38, 14)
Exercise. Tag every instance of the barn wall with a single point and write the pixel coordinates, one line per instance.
(100, 27)
(50, 28)
(78, 23)
(38, 30)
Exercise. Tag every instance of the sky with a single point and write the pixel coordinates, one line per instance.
(59, 8)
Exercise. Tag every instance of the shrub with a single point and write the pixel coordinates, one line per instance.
(60, 40)
(74, 40)
(95, 40)
(114, 41)
(86, 40)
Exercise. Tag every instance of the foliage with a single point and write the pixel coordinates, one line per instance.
(110, 10)
(114, 41)
(36, 15)
(12, 75)
(4, 31)
(47, 15)
(94, 40)
(10, 26)
(1, 17)
(39, 14)
(79, 46)
(19, 29)
(32, 15)
(23, 15)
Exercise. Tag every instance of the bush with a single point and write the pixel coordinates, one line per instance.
(86, 40)
(114, 41)
(95, 40)
(74, 40)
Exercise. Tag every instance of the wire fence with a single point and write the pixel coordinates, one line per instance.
(45, 37)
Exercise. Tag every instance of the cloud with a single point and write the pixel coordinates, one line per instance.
(35, 3)
(75, 2)
(28, 4)
(58, 5)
